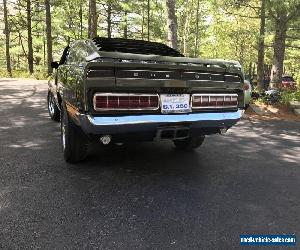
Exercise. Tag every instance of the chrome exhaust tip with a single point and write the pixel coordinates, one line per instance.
(105, 139)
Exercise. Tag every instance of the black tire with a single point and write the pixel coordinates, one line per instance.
(74, 141)
(53, 110)
(189, 144)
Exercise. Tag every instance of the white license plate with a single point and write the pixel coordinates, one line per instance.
(175, 103)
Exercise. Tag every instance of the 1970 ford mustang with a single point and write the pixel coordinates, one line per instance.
(117, 90)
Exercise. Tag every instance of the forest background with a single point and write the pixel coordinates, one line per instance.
(263, 35)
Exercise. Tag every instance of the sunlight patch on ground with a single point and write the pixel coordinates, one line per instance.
(24, 145)
(291, 155)
(4, 128)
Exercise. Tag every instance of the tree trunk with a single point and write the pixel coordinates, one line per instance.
(261, 46)
(44, 50)
(29, 32)
(125, 25)
(279, 51)
(148, 20)
(143, 21)
(186, 33)
(196, 53)
(81, 20)
(7, 39)
(242, 53)
(108, 20)
(49, 36)
(92, 29)
(172, 24)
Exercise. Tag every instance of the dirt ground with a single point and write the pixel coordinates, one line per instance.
(273, 112)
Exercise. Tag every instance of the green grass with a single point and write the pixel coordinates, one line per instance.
(39, 74)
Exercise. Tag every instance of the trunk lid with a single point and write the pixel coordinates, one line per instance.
(124, 70)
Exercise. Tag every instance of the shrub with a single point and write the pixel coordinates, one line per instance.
(288, 96)
(282, 97)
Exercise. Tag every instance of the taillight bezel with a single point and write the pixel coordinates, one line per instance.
(216, 106)
(126, 95)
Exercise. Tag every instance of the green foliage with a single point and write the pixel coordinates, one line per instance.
(282, 98)
(227, 29)
(288, 96)
(4, 73)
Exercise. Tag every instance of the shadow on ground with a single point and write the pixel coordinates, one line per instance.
(142, 195)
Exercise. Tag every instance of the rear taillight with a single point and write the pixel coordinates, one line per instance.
(112, 101)
(246, 87)
(200, 101)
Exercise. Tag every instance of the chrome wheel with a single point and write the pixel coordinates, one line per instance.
(63, 137)
(51, 105)
(73, 140)
(53, 109)
(63, 133)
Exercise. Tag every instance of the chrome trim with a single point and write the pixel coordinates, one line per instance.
(232, 76)
(208, 80)
(215, 94)
(147, 79)
(213, 107)
(170, 79)
(160, 118)
(150, 71)
(124, 94)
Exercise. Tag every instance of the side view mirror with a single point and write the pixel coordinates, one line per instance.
(54, 65)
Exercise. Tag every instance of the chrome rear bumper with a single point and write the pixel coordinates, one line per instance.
(133, 123)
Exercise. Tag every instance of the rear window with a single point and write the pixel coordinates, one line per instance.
(134, 47)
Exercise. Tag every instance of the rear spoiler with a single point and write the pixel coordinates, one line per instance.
(125, 60)
(102, 55)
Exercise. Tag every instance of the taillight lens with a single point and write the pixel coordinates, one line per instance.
(246, 87)
(200, 101)
(125, 101)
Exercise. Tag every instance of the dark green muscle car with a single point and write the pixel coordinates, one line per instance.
(119, 90)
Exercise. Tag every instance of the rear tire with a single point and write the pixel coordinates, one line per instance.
(74, 141)
(189, 144)
(53, 110)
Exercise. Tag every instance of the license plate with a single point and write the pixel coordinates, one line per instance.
(175, 103)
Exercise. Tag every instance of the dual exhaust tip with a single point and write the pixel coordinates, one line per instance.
(105, 139)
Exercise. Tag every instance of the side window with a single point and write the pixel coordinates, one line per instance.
(71, 56)
(81, 52)
(77, 53)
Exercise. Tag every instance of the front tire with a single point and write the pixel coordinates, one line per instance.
(74, 141)
(53, 110)
(189, 144)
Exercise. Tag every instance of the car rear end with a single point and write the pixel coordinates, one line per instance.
(136, 99)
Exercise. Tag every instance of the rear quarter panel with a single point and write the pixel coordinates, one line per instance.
(70, 81)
